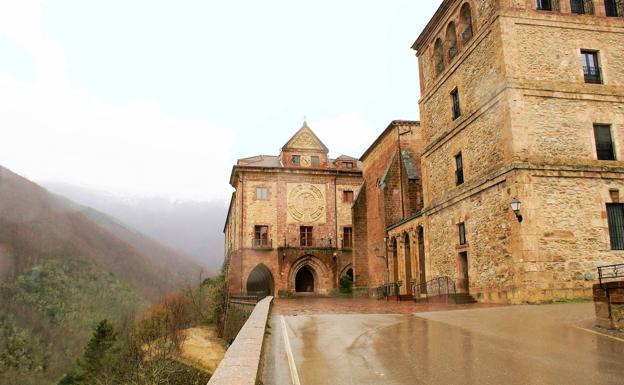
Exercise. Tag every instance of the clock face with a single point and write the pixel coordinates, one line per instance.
(305, 160)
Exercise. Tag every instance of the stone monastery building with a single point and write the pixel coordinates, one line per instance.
(289, 224)
(509, 189)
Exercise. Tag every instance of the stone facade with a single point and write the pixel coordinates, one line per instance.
(522, 127)
(392, 191)
(275, 198)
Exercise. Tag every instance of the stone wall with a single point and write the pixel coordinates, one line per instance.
(379, 204)
(609, 311)
(241, 363)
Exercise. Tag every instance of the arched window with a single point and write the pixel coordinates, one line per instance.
(438, 56)
(465, 17)
(451, 41)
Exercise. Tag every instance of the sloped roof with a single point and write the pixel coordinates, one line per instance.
(261, 161)
(305, 139)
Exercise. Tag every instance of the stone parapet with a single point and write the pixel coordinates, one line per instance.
(241, 363)
(609, 309)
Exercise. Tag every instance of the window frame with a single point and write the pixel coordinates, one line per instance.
(347, 235)
(261, 238)
(539, 5)
(348, 196)
(461, 230)
(315, 161)
(615, 220)
(455, 104)
(613, 7)
(612, 152)
(259, 195)
(588, 77)
(306, 235)
(459, 169)
(296, 160)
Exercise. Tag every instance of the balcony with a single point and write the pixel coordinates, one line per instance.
(347, 244)
(262, 243)
(592, 75)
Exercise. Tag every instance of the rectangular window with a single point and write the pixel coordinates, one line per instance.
(455, 101)
(262, 193)
(544, 5)
(305, 233)
(462, 233)
(604, 142)
(591, 69)
(613, 8)
(615, 214)
(348, 164)
(582, 7)
(347, 238)
(459, 169)
(296, 160)
(316, 161)
(261, 236)
(347, 196)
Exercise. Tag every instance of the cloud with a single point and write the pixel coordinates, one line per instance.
(51, 131)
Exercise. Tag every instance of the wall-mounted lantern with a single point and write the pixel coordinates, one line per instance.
(515, 207)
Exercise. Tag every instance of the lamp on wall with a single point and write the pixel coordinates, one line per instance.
(515, 207)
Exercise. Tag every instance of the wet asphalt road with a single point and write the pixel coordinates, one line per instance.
(504, 345)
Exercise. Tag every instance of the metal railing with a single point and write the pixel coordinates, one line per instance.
(610, 272)
(435, 287)
(592, 75)
(389, 290)
(347, 244)
(262, 243)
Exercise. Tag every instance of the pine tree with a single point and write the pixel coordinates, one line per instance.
(96, 351)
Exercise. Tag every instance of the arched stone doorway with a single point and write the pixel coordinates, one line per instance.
(304, 280)
(310, 275)
(260, 280)
(395, 260)
(408, 263)
(422, 275)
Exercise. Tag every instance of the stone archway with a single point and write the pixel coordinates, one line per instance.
(260, 280)
(309, 275)
(304, 280)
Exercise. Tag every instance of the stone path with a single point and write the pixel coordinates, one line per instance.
(343, 343)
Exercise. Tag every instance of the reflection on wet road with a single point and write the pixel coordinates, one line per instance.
(506, 345)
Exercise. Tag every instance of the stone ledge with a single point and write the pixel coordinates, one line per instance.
(242, 359)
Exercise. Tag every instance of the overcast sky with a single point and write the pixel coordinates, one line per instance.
(149, 97)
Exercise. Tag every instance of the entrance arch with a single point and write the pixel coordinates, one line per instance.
(407, 251)
(422, 275)
(310, 275)
(260, 280)
(395, 260)
(304, 280)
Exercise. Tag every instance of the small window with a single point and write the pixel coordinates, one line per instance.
(316, 161)
(347, 164)
(604, 142)
(615, 215)
(262, 193)
(305, 233)
(347, 238)
(459, 169)
(544, 5)
(347, 196)
(591, 69)
(614, 8)
(296, 160)
(582, 7)
(455, 101)
(462, 233)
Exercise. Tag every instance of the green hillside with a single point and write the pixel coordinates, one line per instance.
(63, 269)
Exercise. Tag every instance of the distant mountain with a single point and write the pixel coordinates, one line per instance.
(63, 268)
(195, 228)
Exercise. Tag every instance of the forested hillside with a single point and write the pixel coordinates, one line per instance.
(64, 268)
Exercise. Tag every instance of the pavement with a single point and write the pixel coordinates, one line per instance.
(344, 342)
